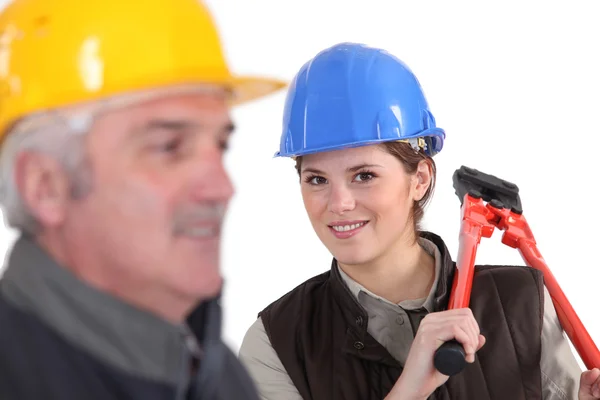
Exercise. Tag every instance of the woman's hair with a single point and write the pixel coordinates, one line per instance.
(410, 159)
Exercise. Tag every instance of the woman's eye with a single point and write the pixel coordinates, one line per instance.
(316, 180)
(364, 176)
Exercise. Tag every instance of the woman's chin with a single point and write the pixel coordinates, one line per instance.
(352, 257)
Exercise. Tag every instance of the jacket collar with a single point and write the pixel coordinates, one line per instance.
(110, 330)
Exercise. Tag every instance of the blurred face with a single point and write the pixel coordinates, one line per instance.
(359, 201)
(151, 221)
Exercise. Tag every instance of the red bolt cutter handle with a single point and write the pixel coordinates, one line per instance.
(474, 226)
(518, 235)
(449, 359)
(479, 221)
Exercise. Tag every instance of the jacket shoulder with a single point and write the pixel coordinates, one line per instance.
(518, 272)
(511, 280)
(509, 286)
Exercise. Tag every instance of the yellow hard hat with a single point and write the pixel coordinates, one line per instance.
(56, 53)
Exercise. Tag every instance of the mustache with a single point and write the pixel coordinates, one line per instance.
(202, 213)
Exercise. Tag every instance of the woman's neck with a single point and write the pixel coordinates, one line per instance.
(406, 272)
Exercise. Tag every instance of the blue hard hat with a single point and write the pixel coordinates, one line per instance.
(353, 95)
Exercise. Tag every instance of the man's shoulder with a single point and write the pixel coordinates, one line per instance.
(235, 381)
(25, 335)
(18, 327)
(29, 348)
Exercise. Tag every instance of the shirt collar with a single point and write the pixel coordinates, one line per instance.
(428, 303)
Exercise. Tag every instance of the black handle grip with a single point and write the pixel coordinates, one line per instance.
(450, 358)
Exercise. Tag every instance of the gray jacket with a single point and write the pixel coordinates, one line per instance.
(62, 339)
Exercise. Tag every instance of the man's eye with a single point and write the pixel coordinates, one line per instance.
(170, 146)
(224, 145)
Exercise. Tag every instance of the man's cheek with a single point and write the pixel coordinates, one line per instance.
(134, 199)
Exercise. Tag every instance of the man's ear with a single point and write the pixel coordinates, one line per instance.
(43, 186)
(422, 180)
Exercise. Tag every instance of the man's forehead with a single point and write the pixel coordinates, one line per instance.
(205, 106)
(209, 111)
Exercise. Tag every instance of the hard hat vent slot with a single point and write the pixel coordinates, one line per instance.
(428, 119)
(388, 124)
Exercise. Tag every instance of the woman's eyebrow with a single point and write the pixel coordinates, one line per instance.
(362, 166)
(313, 171)
(349, 169)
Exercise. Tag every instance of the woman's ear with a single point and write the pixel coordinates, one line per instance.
(421, 180)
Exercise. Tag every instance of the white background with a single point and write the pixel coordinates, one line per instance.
(515, 85)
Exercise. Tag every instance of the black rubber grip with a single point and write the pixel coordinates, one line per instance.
(450, 358)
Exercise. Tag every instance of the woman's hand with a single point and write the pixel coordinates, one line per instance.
(589, 385)
(420, 378)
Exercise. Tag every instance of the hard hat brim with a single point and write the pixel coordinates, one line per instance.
(438, 134)
(248, 88)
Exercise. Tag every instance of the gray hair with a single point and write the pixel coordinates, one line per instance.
(56, 136)
(61, 134)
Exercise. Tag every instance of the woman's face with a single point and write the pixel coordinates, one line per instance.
(360, 200)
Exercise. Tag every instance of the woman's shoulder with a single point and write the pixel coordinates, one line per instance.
(514, 271)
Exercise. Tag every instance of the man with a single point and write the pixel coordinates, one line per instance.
(114, 117)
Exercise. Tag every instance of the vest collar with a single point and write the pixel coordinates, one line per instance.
(427, 303)
(355, 314)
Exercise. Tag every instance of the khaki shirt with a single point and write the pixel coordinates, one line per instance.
(389, 324)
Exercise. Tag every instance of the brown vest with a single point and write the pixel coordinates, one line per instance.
(319, 332)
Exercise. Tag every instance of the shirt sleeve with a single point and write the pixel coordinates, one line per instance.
(560, 370)
(265, 367)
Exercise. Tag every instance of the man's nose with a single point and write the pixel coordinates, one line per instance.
(341, 200)
(211, 180)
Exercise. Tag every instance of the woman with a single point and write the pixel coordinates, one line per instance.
(363, 137)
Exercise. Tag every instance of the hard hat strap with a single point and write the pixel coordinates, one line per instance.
(416, 143)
